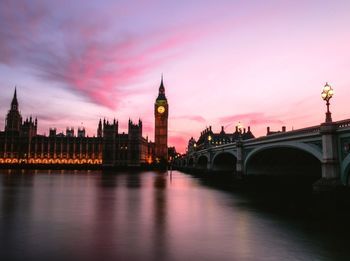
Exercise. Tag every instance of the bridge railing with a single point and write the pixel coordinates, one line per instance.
(309, 130)
(343, 123)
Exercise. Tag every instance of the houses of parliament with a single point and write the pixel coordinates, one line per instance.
(21, 144)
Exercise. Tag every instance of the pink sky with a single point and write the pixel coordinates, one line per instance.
(263, 64)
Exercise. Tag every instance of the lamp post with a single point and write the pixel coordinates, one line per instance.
(239, 145)
(331, 168)
(327, 94)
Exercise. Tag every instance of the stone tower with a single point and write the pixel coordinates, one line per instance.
(13, 119)
(161, 113)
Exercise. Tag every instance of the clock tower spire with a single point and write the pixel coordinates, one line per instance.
(161, 113)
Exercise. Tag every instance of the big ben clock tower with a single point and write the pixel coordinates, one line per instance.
(161, 112)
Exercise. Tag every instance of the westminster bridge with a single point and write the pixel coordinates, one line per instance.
(324, 149)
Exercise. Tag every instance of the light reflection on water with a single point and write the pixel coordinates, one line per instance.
(87, 215)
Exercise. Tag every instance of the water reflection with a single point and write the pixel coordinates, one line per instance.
(160, 216)
(15, 203)
(103, 232)
(134, 181)
(83, 215)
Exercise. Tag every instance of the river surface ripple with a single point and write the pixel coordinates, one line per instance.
(95, 215)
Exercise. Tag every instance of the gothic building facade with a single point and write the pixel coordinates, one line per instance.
(209, 139)
(20, 142)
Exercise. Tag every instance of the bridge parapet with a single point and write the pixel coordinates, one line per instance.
(327, 142)
(308, 130)
(313, 130)
(343, 123)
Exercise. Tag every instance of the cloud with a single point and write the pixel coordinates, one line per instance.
(179, 142)
(196, 118)
(251, 119)
(88, 57)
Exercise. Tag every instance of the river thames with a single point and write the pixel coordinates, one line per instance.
(95, 215)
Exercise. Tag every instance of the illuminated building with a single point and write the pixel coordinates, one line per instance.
(209, 139)
(21, 144)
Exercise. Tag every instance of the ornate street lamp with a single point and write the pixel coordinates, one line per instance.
(327, 94)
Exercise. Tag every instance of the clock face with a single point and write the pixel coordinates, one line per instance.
(161, 109)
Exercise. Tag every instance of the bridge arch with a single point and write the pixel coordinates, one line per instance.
(202, 162)
(224, 161)
(284, 158)
(345, 171)
(234, 153)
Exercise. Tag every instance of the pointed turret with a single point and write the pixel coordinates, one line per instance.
(161, 93)
(222, 131)
(13, 118)
(99, 129)
(14, 103)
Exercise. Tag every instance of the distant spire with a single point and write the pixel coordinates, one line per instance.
(161, 87)
(161, 94)
(14, 103)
